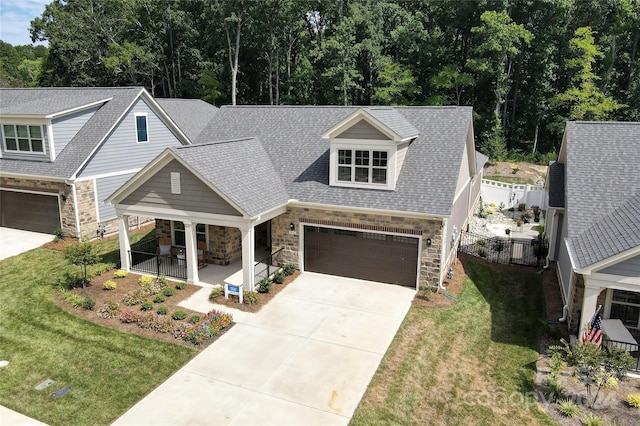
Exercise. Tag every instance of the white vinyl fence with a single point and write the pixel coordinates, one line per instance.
(512, 194)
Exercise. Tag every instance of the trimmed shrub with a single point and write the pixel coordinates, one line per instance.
(181, 285)
(179, 315)
(109, 310)
(109, 285)
(145, 280)
(129, 316)
(264, 285)
(633, 399)
(162, 280)
(135, 297)
(215, 292)
(482, 252)
(169, 291)
(193, 319)
(289, 268)
(160, 298)
(88, 303)
(279, 277)
(120, 273)
(250, 297)
(162, 310)
(147, 306)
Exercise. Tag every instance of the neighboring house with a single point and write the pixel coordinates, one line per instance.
(593, 221)
(64, 150)
(377, 193)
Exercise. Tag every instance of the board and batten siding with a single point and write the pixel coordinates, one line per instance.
(121, 151)
(362, 130)
(627, 268)
(195, 195)
(104, 187)
(65, 128)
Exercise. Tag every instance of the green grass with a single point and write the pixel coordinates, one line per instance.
(107, 371)
(511, 179)
(471, 363)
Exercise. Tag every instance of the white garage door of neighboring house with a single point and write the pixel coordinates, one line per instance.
(364, 255)
(31, 212)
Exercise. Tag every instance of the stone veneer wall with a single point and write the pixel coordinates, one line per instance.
(225, 243)
(430, 256)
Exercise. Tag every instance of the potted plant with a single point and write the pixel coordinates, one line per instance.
(521, 206)
(536, 213)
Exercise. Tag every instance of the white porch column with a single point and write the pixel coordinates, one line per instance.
(125, 245)
(248, 254)
(191, 253)
(589, 305)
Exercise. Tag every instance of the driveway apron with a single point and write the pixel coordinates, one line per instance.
(305, 358)
(16, 241)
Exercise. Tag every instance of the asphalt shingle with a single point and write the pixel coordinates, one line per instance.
(190, 115)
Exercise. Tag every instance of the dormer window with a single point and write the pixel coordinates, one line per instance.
(362, 166)
(23, 139)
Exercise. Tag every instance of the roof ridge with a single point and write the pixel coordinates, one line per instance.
(209, 143)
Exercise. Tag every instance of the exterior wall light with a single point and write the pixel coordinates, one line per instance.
(428, 242)
(292, 226)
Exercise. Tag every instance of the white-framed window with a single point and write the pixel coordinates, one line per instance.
(22, 138)
(142, 131)
(179, 236)
(625, 306)
(363, 166)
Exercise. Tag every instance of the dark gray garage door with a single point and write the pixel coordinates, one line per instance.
(363, 255)
(31, 212)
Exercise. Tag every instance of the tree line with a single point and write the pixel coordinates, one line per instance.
(526, 66)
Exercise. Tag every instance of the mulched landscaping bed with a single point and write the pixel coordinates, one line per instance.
(125, 285)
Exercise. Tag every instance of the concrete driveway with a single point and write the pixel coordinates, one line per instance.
(16, 241)
(305, 358)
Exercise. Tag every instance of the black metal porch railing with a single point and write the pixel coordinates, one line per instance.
(267, 266)
(520, 251)
(144, 257)
(629, 347)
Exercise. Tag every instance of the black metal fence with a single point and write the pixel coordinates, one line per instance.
(520, 251)
(629, 347)
(267, 266)
(144, 258)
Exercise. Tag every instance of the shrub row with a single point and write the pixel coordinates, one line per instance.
(209, 325)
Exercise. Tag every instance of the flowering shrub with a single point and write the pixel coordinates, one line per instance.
(135, 297)
(209, 325)
(145, 281)
(109, 310)
(151, 286)
(633, 399)
(129, 316)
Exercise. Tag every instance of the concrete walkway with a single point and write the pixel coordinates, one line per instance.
(16, 241)
(305, 358)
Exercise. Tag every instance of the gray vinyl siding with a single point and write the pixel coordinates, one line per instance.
(627, 268)
(65, 128)
(121, 151)
(105, 187)
(195, 196)
(400, 155)
(362, 130)
(459, 215)
(566, 272)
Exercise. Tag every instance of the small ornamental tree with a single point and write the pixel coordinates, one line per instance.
(82, 254)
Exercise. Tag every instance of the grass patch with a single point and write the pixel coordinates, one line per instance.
(108, 371)
(471, 363)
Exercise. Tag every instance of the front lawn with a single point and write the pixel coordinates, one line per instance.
(107, 371)
(471, 363)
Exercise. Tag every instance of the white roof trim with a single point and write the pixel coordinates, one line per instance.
(296, 203)
(610, 261)
(357, 116)
(78, 108)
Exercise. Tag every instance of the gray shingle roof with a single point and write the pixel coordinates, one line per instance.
(481, 160)
(556, 184)
(191, 115)
(49, 101)
(291, 138)
(395, 121)
(602, 188)
(239, 164)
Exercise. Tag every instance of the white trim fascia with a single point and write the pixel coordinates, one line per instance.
(28, 191)
(465, 188)
(618, 279)
(596, 282)
(31, 177)
(182, 215)
(146, 125)
(95, 200)
(471, 152)
(296, 203)
(605, 263)
(571, 259)
(52, 147)
(443, 244)
(362, 114)
(105, 175)
(77, 109)
(269, 214)
(23, 119)
(164, 116)
(75, 209)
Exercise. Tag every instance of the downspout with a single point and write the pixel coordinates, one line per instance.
(565, 312)
(442, 253)
(553, 226)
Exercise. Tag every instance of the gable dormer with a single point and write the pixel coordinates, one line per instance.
(367, 149)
